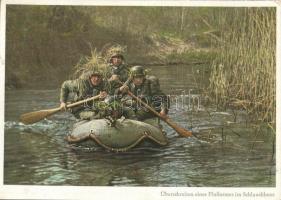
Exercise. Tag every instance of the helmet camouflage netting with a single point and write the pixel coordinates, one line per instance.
(90, 65)
(114, 51)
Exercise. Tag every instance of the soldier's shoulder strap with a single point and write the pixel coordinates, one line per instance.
(126, 66)
(153, 83)
(152, 79)
(71, 83)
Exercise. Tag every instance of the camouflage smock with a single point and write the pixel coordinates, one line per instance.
(151, 93)
(81, 89)
(122, 71)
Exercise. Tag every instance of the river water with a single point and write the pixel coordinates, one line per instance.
(225, 153)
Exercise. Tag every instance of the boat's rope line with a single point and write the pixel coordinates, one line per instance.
(146, 134)
(93, 136)
(72, 139)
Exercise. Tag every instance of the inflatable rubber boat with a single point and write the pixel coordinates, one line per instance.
(120, 135)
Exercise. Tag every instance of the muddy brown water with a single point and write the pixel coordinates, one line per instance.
(224, 154)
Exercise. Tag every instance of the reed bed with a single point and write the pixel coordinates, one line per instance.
(243, 74)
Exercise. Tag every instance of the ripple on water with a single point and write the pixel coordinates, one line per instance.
(38, 153)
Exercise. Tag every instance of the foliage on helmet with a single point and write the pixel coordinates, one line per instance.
(111, 51)
(90, 65)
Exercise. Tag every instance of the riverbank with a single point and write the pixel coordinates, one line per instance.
(156, 51)
(170, 50)
(44, 43)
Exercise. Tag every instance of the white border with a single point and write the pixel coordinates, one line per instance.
(72, 192)
(278, 100)
(2, 86)
(143, 193)
(144, 3)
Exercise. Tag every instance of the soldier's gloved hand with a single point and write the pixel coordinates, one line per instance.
(103, 94)
(63, 106)
(163, 114)
(124, 89)
(114, 77)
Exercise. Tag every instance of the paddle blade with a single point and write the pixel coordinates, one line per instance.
(32, 117)
(181, 131)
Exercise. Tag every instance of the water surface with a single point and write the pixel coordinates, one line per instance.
(224, 153)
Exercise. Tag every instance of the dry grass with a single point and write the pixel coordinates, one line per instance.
(87, 64)
(109, 49)
(97, 61)
(244, 72)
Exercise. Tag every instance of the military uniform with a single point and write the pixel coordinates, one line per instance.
(149, 92)
(122, 71)
(82, 89)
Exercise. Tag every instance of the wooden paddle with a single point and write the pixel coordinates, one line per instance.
(181, 131)
(32, 117)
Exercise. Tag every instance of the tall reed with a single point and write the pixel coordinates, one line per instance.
(243, 74)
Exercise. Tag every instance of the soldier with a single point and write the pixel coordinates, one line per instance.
(147, 88)
(83, 88)
(118, 70)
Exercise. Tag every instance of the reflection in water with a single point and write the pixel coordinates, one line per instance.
(38, 154)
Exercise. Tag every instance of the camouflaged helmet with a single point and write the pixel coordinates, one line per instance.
(137, 71)
(95, 72)
(115, 51)
(116, 55)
